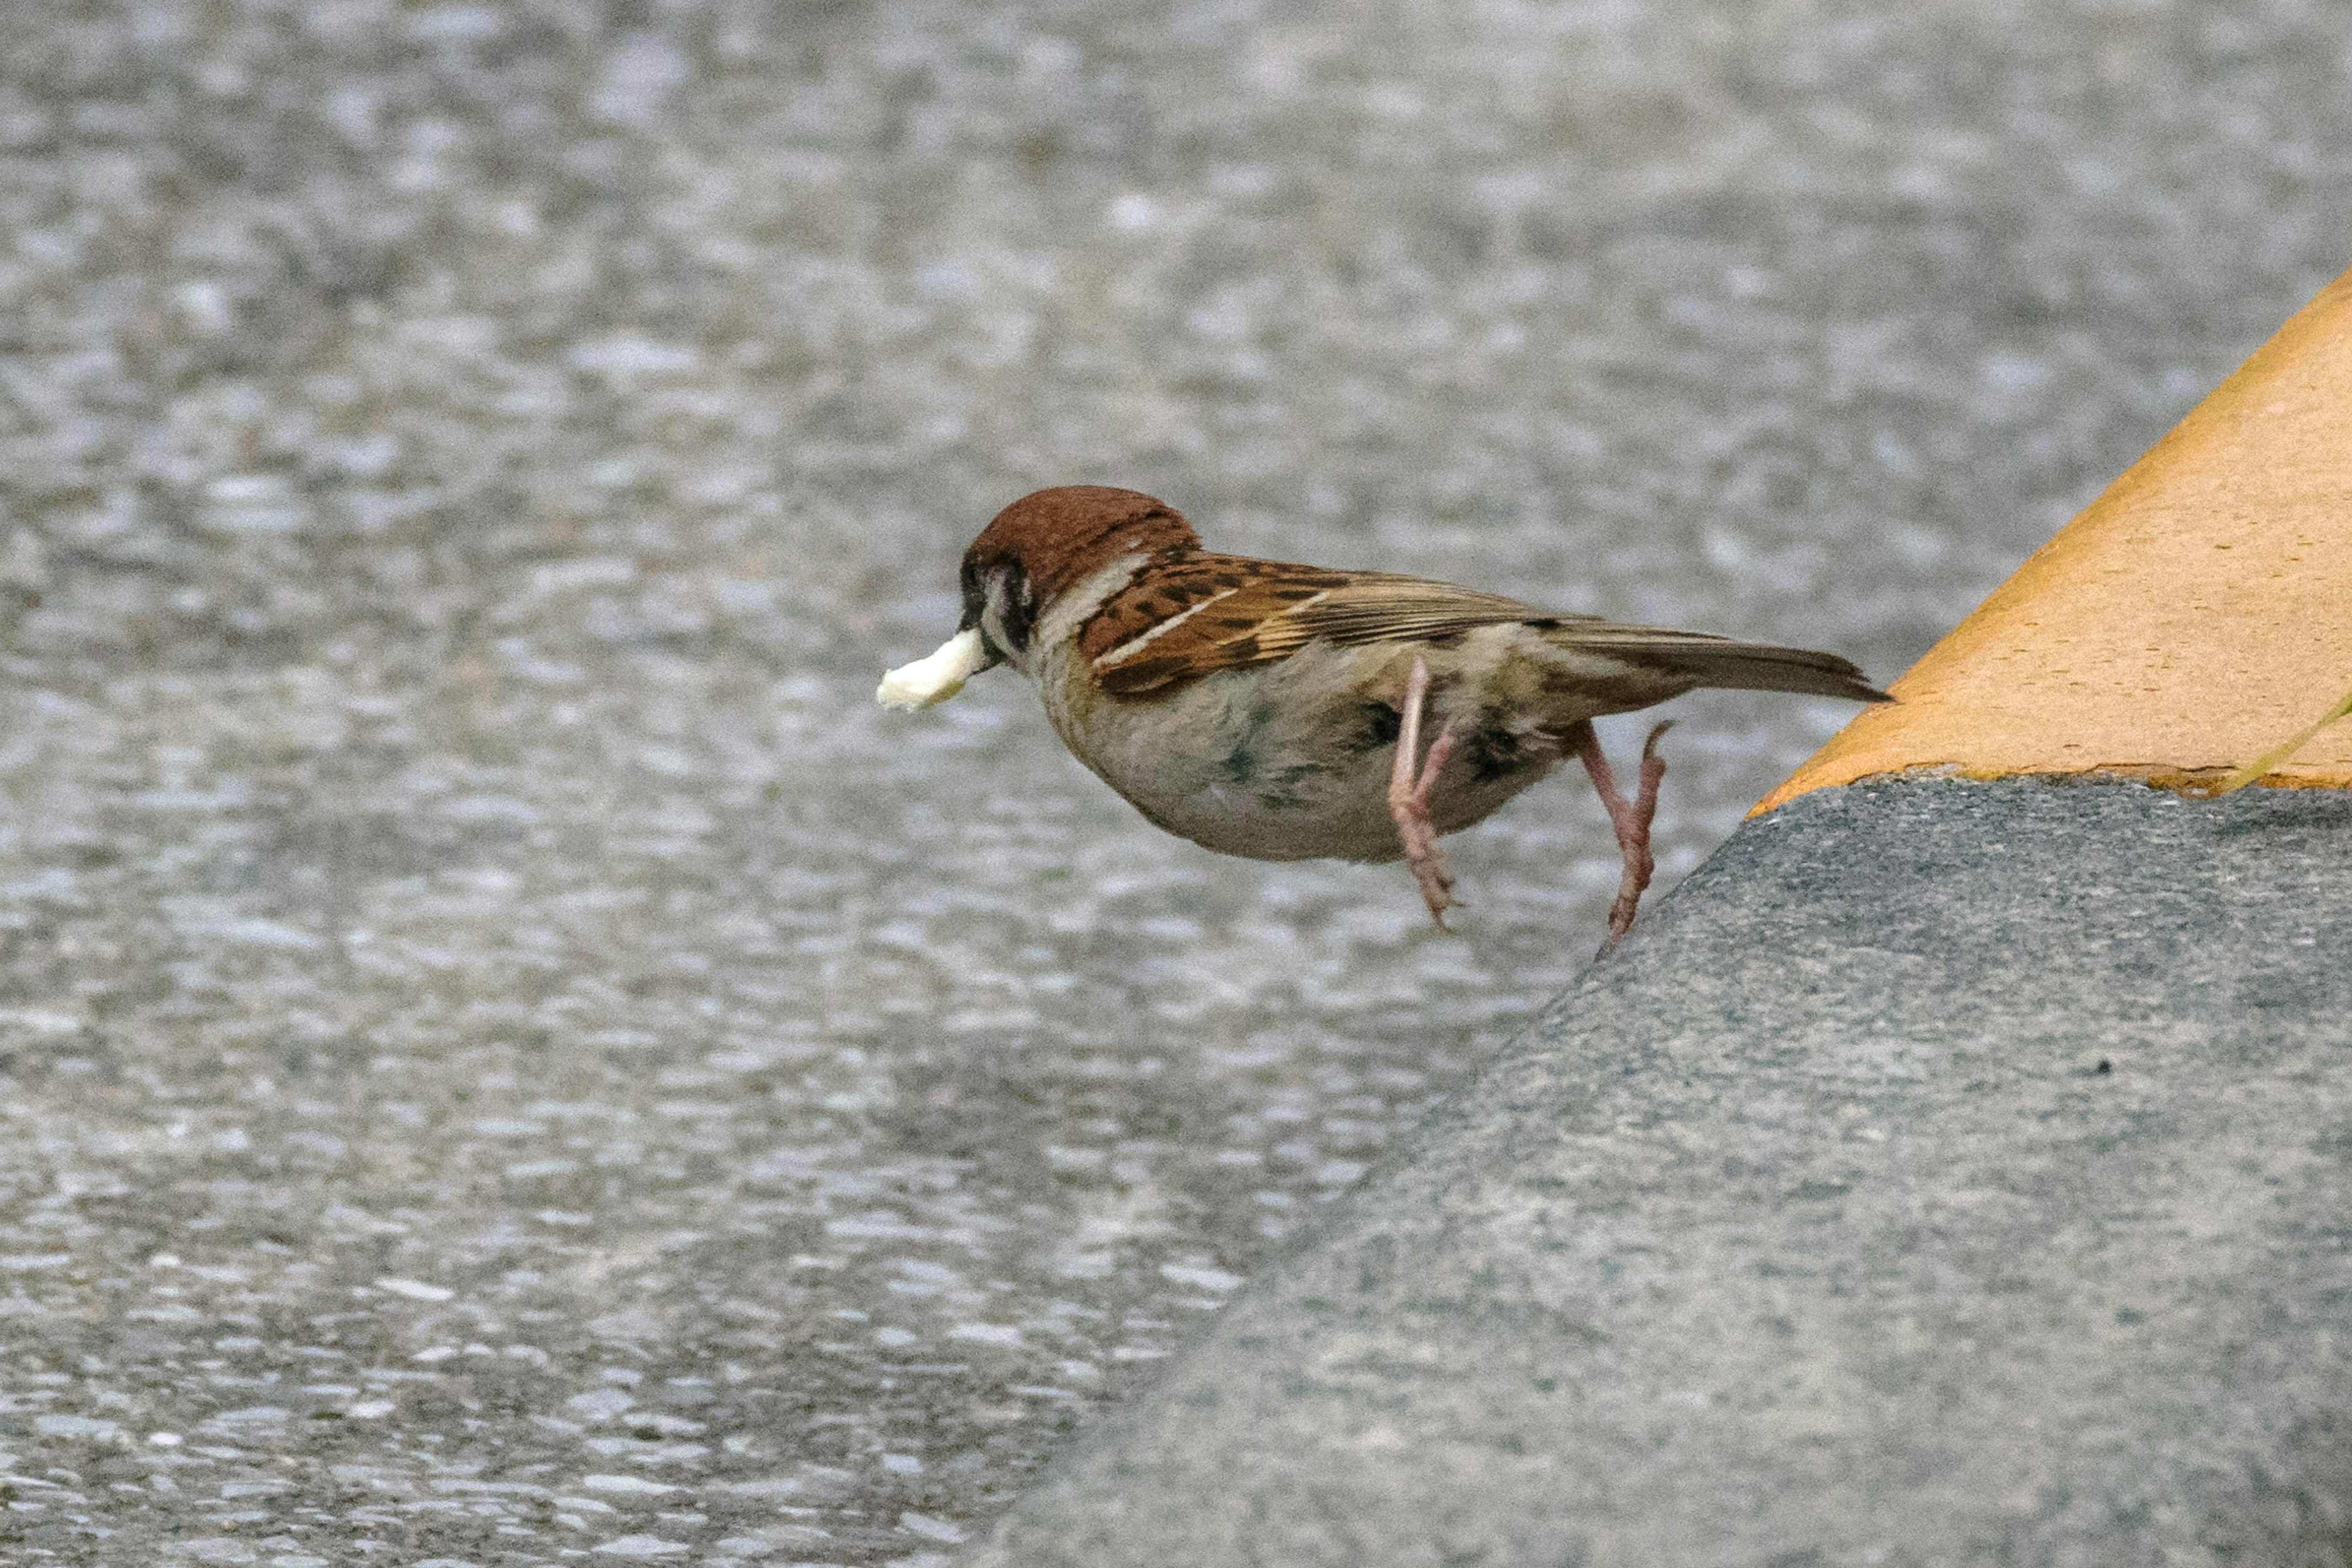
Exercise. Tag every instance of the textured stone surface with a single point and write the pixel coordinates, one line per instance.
(463, 469)
(1950, 1173)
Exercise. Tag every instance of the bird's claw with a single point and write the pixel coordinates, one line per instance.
(1410, 788)
(1630, 820)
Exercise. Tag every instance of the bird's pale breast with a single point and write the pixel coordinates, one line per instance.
(1288, 760)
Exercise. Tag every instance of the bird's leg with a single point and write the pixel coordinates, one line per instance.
(1411, 782)
(1630, 818)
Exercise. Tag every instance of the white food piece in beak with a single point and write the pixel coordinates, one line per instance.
(936, 678)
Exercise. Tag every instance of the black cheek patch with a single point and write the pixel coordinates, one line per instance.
(1382, 725)
(974, 582)
(1019, 611)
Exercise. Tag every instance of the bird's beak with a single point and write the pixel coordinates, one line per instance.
(938, 677)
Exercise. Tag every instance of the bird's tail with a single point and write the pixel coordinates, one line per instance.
(1692, 659)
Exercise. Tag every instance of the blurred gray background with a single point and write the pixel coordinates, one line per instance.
(511, 1056)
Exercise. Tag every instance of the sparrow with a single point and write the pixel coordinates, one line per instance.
(1288, 712)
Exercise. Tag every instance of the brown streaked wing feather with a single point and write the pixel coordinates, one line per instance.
(1173, 587)
(1254, 612)
(1249, 612)
(1377, 608)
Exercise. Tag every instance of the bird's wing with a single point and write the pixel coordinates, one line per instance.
(1192, 618)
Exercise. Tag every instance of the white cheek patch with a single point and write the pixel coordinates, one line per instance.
(936, 678)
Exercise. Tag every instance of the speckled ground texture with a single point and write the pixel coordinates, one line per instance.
(511, 1056)
(1951, 1174)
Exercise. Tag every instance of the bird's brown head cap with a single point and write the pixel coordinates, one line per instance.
(1051, 540)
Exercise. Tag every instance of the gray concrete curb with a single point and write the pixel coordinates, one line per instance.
(1947, 1173)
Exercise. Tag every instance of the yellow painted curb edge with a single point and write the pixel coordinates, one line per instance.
(2192, 617)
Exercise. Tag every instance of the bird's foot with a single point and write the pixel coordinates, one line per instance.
(1409, 792)
(1419, 836)
(1631, 819)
